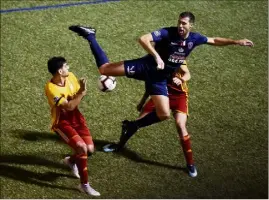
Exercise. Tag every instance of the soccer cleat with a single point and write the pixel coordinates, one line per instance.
(88, 189)
(82, 30)
(72, 166)
(128, 128)
(192, 170)
(111, 148)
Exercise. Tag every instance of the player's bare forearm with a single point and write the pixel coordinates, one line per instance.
(73, 103)
(218, 41)
(146, 42)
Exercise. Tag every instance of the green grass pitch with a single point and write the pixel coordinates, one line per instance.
(228, 103)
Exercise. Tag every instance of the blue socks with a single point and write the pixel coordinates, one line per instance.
(97, 51)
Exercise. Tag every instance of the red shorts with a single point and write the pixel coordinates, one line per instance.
(74, 131)
(177, 102)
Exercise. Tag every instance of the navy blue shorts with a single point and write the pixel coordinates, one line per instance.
(145, 69)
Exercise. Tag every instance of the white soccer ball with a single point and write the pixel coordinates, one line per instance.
(106, 83)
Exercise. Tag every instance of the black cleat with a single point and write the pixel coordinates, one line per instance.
(128, 129)
(82, 30)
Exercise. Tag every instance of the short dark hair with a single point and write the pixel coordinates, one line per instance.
(189, 15)
(55, 63)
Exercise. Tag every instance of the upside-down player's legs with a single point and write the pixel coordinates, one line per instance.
(102, 62)
(112, 69)
(101, 59)
(105, 67)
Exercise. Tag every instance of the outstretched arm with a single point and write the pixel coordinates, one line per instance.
(226, 41)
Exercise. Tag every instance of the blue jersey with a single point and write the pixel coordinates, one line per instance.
(172, 48)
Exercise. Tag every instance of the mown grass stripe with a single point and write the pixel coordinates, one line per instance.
(55, 6)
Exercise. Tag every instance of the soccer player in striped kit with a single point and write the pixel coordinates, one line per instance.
(64, 93)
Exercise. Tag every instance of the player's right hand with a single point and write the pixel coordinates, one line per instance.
(245, 42)
(177, 81)
(160, 63)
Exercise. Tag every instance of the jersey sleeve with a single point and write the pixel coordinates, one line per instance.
(200, 39)
(54, 96)
(160, 34)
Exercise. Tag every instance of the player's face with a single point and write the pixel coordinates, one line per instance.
(64, 70)
(184, 26)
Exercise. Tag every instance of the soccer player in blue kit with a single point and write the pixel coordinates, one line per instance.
(172, 46)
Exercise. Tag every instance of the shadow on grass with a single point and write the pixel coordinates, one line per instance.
(17, 173)
(35, 136)
(30, 160)
(9, 169)
(127, 153)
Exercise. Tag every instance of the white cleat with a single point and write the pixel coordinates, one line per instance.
(88, 189)
(72, 166)
(192, 171)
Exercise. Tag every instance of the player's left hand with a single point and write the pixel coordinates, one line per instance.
(245, 42)
(83, 87)
(177, 81)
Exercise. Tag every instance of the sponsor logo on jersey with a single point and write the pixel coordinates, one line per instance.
(176, 58)
(157, 33)
(190, 45)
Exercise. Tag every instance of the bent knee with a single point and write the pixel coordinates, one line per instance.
(164, 117)
(81, 148)
(90, 148)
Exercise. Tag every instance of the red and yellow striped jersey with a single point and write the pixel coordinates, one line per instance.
(58, 94)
